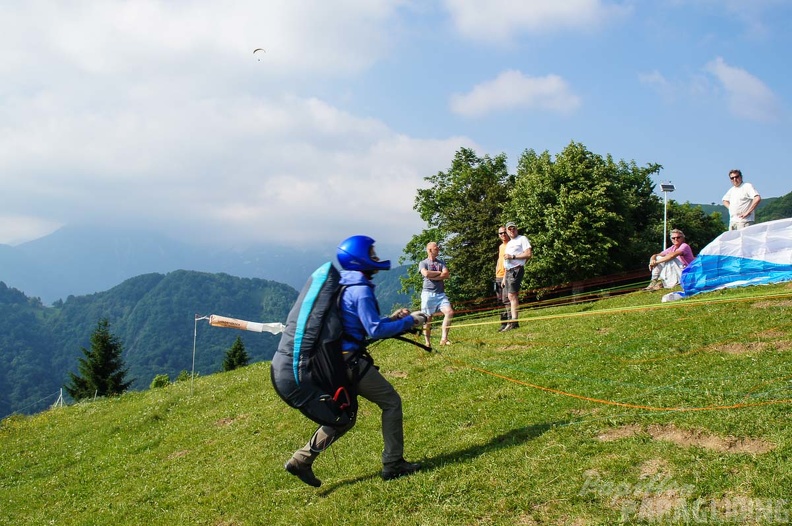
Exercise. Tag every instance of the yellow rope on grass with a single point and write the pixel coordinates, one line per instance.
(638, 308)
(677, 304)
(612, 402)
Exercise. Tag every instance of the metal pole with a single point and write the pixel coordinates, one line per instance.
(195, 338)
(665, 220)
(665, 187)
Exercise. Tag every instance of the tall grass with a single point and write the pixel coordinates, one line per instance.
(621, 410)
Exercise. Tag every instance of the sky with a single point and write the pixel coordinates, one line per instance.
(158, 115)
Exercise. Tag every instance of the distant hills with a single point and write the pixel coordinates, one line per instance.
(84, 260)
(154, 316)
(769, 209)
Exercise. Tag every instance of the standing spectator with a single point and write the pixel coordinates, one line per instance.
(501, 296)
(667, 265)
(518, 252)
(741, 200)
(433, 297)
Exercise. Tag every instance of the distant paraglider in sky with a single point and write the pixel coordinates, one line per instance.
(258, 52)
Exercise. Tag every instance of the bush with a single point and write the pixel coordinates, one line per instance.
(185, 375)
(161, 380)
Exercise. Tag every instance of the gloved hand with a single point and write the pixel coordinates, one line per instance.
(399, 314)
(419, 318)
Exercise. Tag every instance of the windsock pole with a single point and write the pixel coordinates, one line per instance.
(195, 338)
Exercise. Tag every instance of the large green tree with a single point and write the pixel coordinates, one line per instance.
(462, 208)
(236, 356)
(585, 215)
(102, 371)
(699, 228)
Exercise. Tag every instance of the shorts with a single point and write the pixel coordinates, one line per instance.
(432, 302)
(739, 225)
(514, 277)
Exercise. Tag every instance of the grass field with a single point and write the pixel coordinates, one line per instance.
(623, 410)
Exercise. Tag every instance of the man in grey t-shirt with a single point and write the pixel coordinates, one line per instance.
(433, 297)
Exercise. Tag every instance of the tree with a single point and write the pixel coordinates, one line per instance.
(699, 228)
(236, 356)
(585, 215)
(462, 209)
(102, 371)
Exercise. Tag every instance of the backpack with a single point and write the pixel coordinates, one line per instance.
(308, 370)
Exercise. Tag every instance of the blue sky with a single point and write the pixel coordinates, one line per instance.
(158, 115)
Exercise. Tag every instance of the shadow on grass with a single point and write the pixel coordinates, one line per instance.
(513, 438)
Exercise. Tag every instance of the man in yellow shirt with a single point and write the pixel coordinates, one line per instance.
(501, 297)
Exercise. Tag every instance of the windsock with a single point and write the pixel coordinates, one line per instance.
(233, 323)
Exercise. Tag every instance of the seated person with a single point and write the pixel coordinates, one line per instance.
(667, 266)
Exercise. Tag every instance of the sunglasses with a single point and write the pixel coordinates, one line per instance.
(676, 237)
(501, 233)
(735, 177)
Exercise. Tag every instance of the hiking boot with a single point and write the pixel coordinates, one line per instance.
(400, 468)
(505, 317)
(510, 326)
(503, 327)
(652, 284)
(302, 471)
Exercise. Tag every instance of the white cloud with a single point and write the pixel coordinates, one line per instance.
(747, 96)
(157, 114)
(659, 83)
(156, 35)
(500, 20)
(228, 169)
(513, 90)
(18, 229)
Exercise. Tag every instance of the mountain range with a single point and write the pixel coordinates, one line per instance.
(84, 260)
(54, 290)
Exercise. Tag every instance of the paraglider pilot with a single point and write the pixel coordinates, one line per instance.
(361, 319)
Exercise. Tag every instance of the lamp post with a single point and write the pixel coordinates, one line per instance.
(665, 187)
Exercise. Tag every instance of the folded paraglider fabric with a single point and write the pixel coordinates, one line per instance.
(758, 254)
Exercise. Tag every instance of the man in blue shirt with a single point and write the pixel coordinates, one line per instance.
(361, 319)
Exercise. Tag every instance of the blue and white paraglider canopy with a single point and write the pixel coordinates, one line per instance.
(756, 255)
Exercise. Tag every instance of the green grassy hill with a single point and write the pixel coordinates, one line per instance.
(621, 410)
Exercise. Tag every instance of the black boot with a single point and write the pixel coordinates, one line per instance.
(504, 321)
(302, 471)
(399, 468)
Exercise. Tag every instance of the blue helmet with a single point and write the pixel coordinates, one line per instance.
(357, 253)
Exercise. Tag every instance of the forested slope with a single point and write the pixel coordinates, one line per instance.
(154, 317)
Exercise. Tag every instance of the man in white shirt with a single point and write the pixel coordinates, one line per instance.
(741, 200)
(518, 252)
